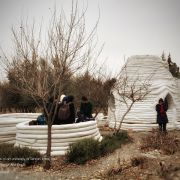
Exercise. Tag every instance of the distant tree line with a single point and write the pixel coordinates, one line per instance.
(95, 88)
(14, 101)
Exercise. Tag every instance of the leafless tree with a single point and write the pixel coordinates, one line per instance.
(95, 85)
(42, 66)
(129, 90)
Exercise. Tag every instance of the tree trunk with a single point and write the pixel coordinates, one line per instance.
(129, 108)
(48, 151)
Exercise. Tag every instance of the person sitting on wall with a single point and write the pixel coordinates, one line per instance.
(66, 111)
(41, 120)
(86, 109)
(33, 122)
(162, 118)
(60, 103)
(62, 98)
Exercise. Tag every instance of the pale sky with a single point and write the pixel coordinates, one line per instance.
(127, 27)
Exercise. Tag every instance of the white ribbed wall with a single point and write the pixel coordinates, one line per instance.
(142, 116)
(35, 136)
(178, 99)
(8, 124)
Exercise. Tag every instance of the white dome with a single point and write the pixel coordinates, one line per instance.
(146, 65)
(142, 115)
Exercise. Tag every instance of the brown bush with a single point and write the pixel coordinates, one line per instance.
(114, 171)
(168, 143)
(139, 161)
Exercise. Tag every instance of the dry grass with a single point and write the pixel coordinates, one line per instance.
(166, 170)
(126, 169)
(167, 143)
(139, 161)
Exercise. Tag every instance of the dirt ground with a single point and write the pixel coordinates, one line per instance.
(113, 166)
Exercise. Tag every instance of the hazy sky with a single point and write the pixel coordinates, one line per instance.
(127, 27)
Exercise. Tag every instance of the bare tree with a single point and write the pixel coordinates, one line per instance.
(129, 91)
(41, 68)
(96, 87)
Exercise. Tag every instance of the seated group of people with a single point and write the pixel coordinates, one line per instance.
(66, 112)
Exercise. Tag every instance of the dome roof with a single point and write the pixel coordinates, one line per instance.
(147, 65)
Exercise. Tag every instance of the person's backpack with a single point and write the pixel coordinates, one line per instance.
(64, 112)
(162, 111)
(41, 120)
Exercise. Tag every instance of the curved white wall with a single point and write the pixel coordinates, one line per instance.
(101, 119)
(8, 124)
(178, 100)
(142, 115)
(35, 136)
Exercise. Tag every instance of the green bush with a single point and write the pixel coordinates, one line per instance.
(88, 149)
(83, 150)
(11, 154)
(122, 137)
(112, 142)
(109, 144)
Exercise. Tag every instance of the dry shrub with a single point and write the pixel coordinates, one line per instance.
(114, 171)
(167, 171)
(126, 168)
(139, 161)
(168, 143)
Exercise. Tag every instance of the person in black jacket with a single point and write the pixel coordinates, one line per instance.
(86, 108)
(66, 111)
(70, 102)
(63, 100)
(162, 118)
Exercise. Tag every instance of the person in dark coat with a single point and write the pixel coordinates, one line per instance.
(63, 100)
(86, 108)
(162, 118)
(68, 100)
